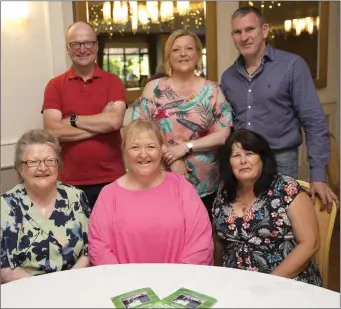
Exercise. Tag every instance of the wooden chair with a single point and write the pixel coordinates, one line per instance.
(333, 173)
(333, 167)
(326, 225)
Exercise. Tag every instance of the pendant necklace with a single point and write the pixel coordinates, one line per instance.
(245, 205)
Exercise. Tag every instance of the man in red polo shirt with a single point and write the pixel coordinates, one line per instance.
(84, 108)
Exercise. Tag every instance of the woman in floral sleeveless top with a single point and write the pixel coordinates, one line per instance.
(193, 114)
(263, 221)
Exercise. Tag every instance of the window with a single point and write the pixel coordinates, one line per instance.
(131, 64)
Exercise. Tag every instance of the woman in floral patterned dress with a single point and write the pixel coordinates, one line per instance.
(193, 114)
(44, 223)
(263, 221)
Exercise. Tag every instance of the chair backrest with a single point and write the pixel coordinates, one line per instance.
(326, 225)
(333, 167)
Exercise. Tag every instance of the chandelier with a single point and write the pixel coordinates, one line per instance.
(294, 26)
(308, 24)
(132, 16)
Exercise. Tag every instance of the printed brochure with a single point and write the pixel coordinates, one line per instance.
(146, 298)
(140, 298)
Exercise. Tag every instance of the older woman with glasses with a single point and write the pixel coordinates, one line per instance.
(44, 222)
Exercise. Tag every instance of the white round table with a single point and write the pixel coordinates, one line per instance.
(94, 286)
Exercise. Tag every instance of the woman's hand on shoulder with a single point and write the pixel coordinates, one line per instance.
(174, 153)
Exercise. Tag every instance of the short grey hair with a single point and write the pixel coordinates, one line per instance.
(245, 10)
(32, 137)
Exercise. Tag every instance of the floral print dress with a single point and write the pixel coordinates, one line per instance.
(42, 245)
(263, 237)
(184, 119)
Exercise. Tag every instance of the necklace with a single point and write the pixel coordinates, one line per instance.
(43, 206)
(246, 205)
(46, 208)
(251, 74)
(185, 90)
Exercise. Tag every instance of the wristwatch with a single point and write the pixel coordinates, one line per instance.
(190, 146)
(73, 119)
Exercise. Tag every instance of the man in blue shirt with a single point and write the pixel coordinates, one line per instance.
(273, 94)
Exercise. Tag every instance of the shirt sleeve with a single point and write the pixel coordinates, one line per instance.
(218, 201)
(313, 119)
(101, 234)
(9, 236)
(83, 214)
(222, 111)
(198, 247)
(116, 91)
(290, 189)
(143, 108)
(52, 99)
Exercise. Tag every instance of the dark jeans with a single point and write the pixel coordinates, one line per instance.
(287, 162)
(208, 202)
(92, 192)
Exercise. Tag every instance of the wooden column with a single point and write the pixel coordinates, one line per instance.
(211, 40)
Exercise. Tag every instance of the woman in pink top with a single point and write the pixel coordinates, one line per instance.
(149, 215)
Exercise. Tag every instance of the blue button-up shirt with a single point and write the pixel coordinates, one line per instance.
(276, 102)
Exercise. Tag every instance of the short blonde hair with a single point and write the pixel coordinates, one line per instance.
(35, 137)
(169, 44)
(133, 128)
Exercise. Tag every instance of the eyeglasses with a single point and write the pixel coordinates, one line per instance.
(86, 44)
(36, 163)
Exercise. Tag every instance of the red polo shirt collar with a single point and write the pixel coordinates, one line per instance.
(98, 73)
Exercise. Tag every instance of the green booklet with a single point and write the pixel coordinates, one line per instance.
(141, 298)
(184, 298)
(146, 298)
